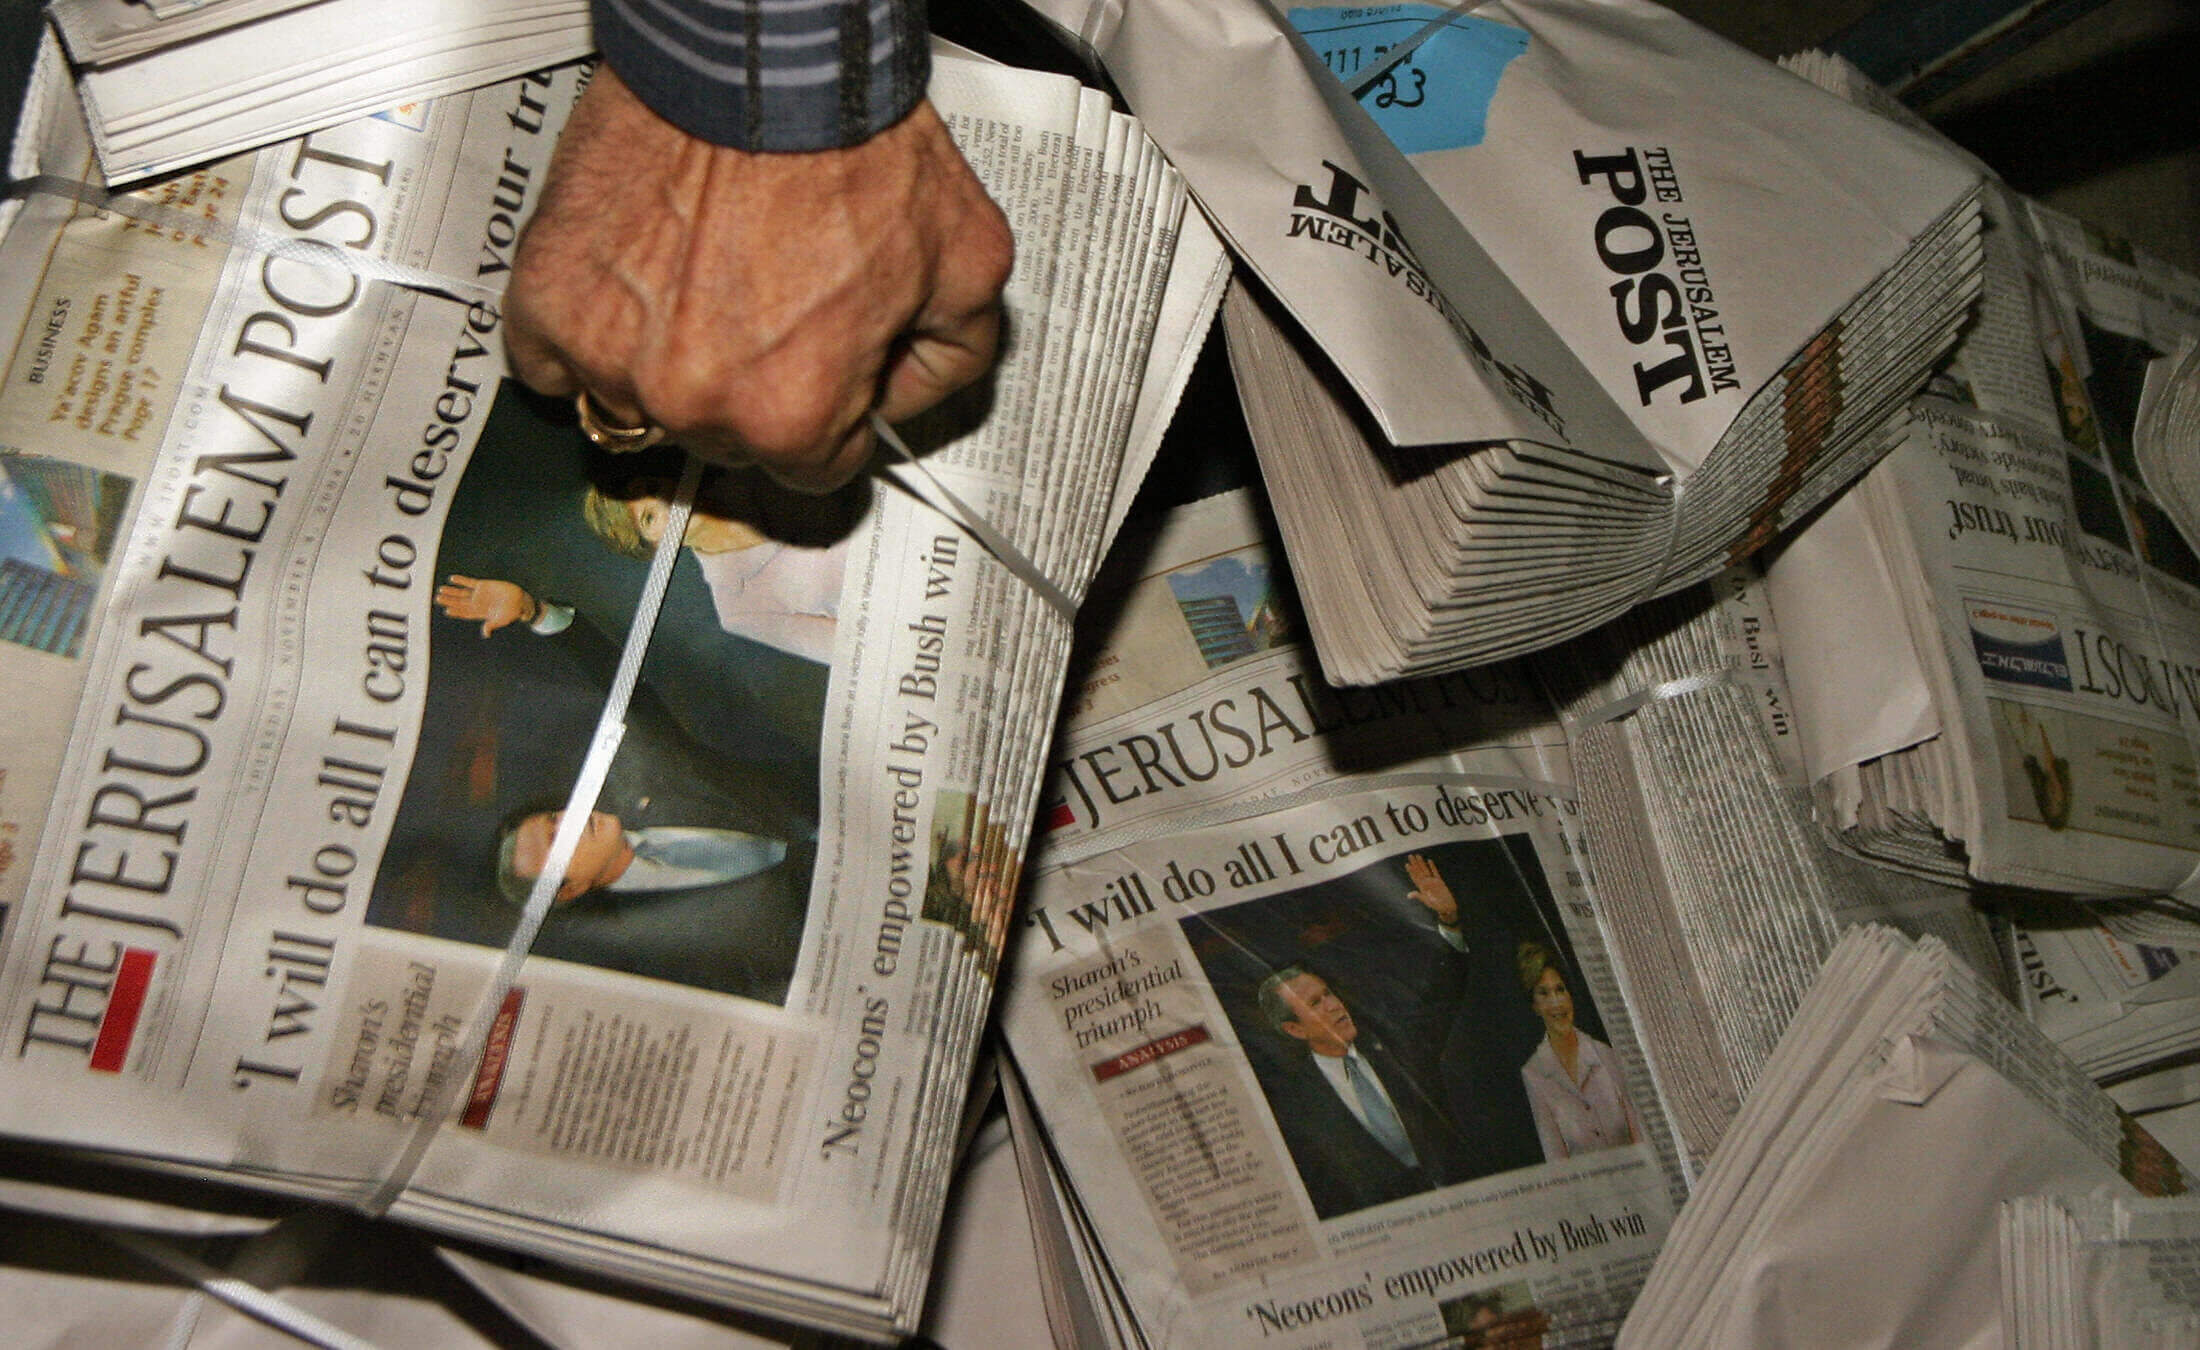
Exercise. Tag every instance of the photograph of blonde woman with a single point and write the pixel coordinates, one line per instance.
(773, 566)
(1575, 1090)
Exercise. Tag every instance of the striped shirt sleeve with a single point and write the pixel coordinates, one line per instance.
(770, 74)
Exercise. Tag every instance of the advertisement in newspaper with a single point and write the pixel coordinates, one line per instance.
(1309, 993)
(338, 673)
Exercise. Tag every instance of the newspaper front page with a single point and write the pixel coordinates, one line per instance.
(2065, 601)
(347, 605)
(1259, 889)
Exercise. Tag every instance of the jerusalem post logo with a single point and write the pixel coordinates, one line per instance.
(2017, 646)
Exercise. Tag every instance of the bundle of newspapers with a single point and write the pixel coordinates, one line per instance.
(2166, 437)
(409, 806)
(1311, 1005)
(1720, 895)
(2128, 1012)
(1995, 641)
(1855, 1199)
(164, 95)
(97, 32)
(2100, 1269)
(106, 1256)
(1561, 305)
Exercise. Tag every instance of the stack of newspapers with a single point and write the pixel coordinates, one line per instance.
(1317, 1036)
(84, 1241)
(2166, 438)
(1855, 1200)
(162, 95)
(1995, 642)
(1573, 305)
(2081, 1270)
(409, 806)
(97, 32)
(2129, 1012)
(1720, 895)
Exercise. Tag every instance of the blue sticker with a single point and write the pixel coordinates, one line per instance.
(1438, 98)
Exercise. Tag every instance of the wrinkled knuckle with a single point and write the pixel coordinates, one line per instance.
(1000, 246)
(785, 424)
(678, 406)
(986, 250)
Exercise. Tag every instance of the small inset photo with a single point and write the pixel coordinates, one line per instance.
(58, 522)
(1504, 1316)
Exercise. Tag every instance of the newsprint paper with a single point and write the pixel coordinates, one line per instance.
(310, 620)
(1310, 998)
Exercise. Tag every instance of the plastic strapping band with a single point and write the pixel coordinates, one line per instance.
(1406, 48)
(1674, 488)
(243, 1295)
(1642, 698)
(912, 474)
(610, 728)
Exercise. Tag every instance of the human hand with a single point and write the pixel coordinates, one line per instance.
(493, 603)
(1430, 888)
(758, 306)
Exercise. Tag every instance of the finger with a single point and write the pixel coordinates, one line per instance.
(536, 360)
(613, 404)
(808, 469)
(935, 363)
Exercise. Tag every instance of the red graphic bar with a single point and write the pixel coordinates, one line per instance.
(489, 1078)
(1149, 1052)
(1056, 817)
(124, 1002)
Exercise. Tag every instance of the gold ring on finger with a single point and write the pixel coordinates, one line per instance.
(606, 434)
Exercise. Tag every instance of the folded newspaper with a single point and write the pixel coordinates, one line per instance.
(345, 675)
(97, 32)
(2124, 1010)
(80, 1245)
(2100, 1269)
(1563, 303)
(1996, 637)
(1311, 1000)
(160, 108)
(1720, 895)
(2166, 438)
(1855, 1200)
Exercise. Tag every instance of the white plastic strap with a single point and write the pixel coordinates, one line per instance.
(910, 473)
(579, 803)
(244, 1296)
(1643, 698)
(1406, 48)
(1655, 577)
